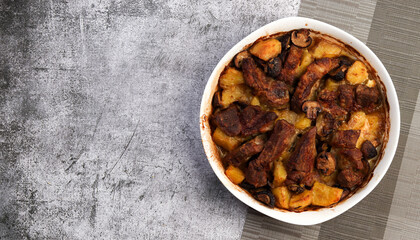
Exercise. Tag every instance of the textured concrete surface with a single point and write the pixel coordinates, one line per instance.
(99, 103)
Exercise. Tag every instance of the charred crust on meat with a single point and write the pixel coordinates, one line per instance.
(345, 138)
(301, 38)
(301, 162)
(244, 152)
(228, 120)
(367, 97)
(280, 139)
(255, 120)
(293, 60)
(315, 71)
(311, 108)
(274, 93)
(274, 67)
(368, 150)
(325, 163)
(346, 96)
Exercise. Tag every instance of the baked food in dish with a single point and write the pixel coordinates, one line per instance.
(300, 120)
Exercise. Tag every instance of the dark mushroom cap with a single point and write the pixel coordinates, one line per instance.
(368, 150)
(265, 196)
(311, 108)
(241, 56)
(301, 38)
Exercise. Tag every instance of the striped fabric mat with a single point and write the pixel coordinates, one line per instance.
(391, 211)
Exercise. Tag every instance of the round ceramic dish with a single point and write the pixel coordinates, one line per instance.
(323, 214)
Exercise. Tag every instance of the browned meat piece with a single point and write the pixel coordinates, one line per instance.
(367, 97)
(345, 138)
(301, 163)
(346, 97)
(350, 158)
(368, 150)
(349, 178)
(274, 67)
(328, 101)
(255, 120)
(325, 124)
(245, 151)
(288, 73)
(325, 163)
(272, 92)
(228, 120)
(315, 71)
(280, 139)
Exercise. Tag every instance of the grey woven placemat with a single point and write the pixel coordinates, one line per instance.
(390, 29)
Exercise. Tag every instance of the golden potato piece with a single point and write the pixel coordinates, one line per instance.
(225, 141)
(307, 59)
(231, 77)
(324, 195)
(357, 73)
(266, 49)
(302, 122)
(236, 93)
(235, 174)
(279, 174)
(332, 85)
(327, 49)
(282, 195)
(255, 101)
(287, 115)
(371, 83)
(301, 200)
(357, 121)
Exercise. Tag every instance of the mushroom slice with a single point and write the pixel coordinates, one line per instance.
(265, 196)
(301, 38)
(326, 163)
(311, 108)
(241, 56)
(368, 150)
(217, 99)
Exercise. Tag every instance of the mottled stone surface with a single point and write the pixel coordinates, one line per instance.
(99, 105)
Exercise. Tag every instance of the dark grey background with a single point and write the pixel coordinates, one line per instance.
(99, 105)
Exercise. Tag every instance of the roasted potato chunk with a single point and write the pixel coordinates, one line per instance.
(357, 73)
(307, 59)
(301, 200)
(235, 93)
(279, 174)
(326, 49)
(255, 101)
(235, 174)
(287, 115)
(226, 142)
(324, 195)
(231, 77)
(282, 195)
(302, 122)
(266, 49)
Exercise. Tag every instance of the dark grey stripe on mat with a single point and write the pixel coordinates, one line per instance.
(395, 38)
(353, 16)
